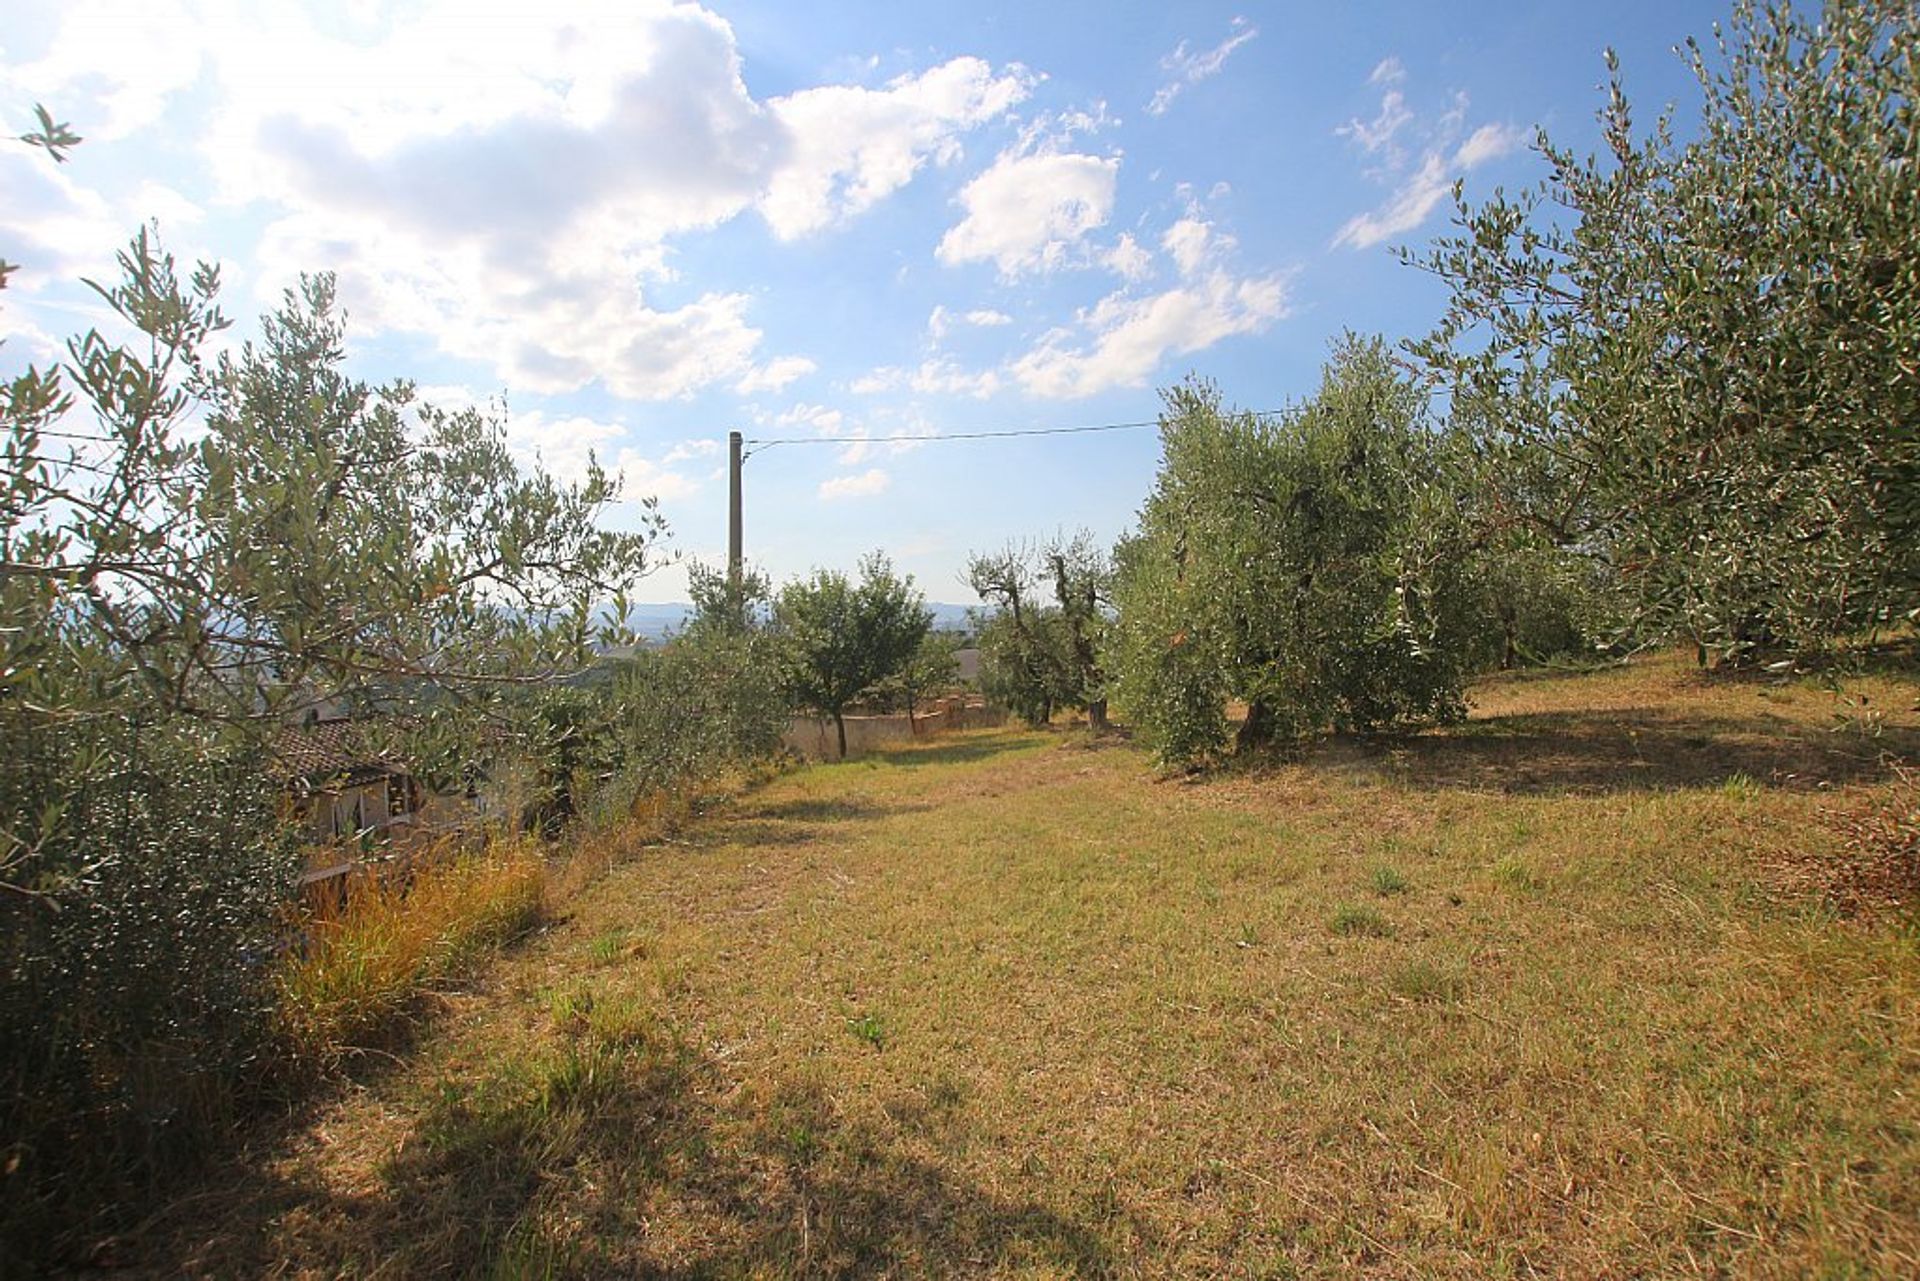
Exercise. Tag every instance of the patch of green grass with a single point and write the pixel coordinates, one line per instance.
(1388, 881)
(1353, 921)
(869, 1029)
(1426, 981)
(1515, 873)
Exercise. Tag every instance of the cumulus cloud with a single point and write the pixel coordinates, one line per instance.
(56, 228)
(687, 450)
(511, 186)
(110, 64)
(1121, 340)
(1192, 242)
(1388, 71)
(823, 419)
(1411, 204)
(1127, 259)
(564, 445)
(864, 484)
(1189, 67)
(853, 146)
(1028, 211)
(1489, 142)
(941, 321)
(1378, 134)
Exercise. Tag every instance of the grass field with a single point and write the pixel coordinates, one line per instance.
(1613, 980)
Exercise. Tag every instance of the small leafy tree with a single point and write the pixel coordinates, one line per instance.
(724, 602)
(844, 638)
(1694, 362)
(933, 667)
(1307, 566)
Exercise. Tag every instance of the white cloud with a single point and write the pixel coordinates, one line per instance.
(110, 65)
(853, 146)
(642, 478)
(940, 321)
(1388, 71)
(502, 178)
(1191, 241)
(56, 228)
(1127, 259)
(1489, 142)
(933, 377)
(165, 205)
(775, 374)
(686, 450)
(1407, 209)
(856, 450)
(872, 481)
(1026, 213)
(824, 419)
(1379, 133)
(1190, 67)
(565, 444)
(1122, 340)
(1418, 191)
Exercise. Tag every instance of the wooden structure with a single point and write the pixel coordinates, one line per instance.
(348, 799)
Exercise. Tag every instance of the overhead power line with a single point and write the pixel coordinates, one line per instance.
(767, 442)
(738, 453)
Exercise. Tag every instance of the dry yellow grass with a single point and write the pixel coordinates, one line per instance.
(1547, 994)
(361, 960)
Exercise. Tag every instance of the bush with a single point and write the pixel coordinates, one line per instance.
(701, 706)
(147, 878)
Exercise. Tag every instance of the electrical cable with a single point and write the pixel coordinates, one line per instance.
(764, 443)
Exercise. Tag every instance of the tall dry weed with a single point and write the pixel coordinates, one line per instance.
(364, 957)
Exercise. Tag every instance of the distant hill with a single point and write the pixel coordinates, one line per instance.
(657, 622)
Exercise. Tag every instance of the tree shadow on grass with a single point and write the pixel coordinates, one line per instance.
(959, 751)
(1640, 749)
(838, 809)
(627, 1158)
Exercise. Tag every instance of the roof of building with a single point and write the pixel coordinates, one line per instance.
(330, 747)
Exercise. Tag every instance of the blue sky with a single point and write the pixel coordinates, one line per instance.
(643, 225)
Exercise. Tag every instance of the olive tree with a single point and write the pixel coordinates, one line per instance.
(190, 548)
(1307, 565)
(1041, 645)
(1693, 361)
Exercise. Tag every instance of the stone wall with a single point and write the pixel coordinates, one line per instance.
(813, 736)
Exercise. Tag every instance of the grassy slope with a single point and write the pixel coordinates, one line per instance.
(1528, 997)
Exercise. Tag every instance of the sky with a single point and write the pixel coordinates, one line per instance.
(634, 227)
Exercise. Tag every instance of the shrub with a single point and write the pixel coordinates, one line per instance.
(135, 953)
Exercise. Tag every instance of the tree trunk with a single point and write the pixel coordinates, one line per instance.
(1097, 715)
(1257, 730)
(840, 727)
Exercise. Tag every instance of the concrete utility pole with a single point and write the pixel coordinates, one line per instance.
(733, 508)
